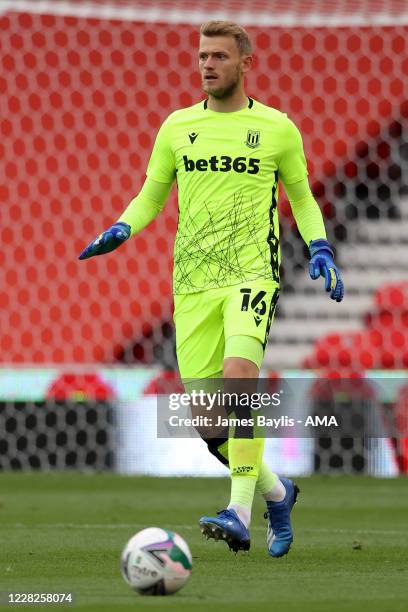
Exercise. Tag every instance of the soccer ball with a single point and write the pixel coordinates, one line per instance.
(156, 562)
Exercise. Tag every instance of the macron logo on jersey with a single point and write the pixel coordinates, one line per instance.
(192, 137)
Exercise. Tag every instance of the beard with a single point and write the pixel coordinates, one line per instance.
(222, 93)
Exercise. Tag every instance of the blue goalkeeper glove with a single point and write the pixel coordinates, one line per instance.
(322, 264)
(108, 241)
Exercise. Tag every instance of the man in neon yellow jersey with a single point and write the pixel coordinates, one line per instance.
(227, 154)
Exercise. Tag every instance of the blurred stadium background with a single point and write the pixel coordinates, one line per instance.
(86, 345)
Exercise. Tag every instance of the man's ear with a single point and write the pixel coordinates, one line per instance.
(246, 63)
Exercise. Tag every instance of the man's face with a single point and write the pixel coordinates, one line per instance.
(221, 65)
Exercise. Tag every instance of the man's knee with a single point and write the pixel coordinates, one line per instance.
(214, 445)
(238, 367)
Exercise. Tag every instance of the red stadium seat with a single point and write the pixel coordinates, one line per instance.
(401, 425)
(382, 345)
(82, 100)
(392, 297)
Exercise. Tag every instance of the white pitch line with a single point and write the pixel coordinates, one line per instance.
(157, 14)
(193, 527)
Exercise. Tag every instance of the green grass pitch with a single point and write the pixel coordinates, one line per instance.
(65, 532)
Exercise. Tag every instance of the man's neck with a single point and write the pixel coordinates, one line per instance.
(236, 102)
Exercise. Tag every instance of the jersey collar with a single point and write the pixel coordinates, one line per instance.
(250, 103)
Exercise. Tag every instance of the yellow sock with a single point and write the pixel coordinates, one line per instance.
(266, 479)
(267, 482)
(245, 458)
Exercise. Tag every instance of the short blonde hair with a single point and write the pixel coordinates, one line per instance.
(228, 28)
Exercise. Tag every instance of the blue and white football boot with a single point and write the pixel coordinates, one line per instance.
(228, 527)
(279, 535)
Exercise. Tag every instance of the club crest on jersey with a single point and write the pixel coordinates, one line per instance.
(252, 139)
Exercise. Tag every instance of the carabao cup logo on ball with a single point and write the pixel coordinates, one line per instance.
(156, 562)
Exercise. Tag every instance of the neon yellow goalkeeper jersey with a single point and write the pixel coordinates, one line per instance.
(227, 167)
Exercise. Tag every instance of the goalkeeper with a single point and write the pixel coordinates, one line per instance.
(227, 154)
